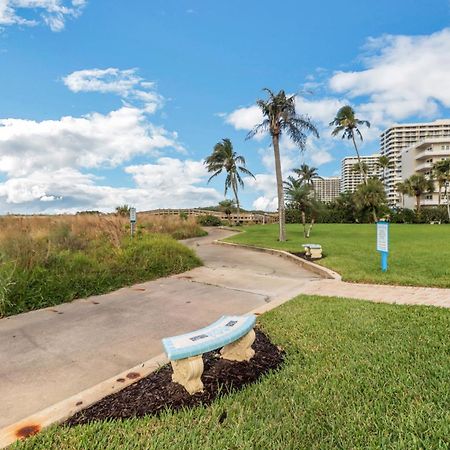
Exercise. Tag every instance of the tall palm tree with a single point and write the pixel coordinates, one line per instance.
(306, 173)
(347, 123)
(223, 157)
(280, 117)
(384, 163)
(403, 189)
(298, 195)
(442, 171)
(417, 186)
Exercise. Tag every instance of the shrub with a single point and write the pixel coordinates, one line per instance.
(209, 220)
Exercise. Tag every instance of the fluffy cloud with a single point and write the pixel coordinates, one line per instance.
(51, 12)
(125, 83)
(68, 190)
(92, 141)
(403, 76)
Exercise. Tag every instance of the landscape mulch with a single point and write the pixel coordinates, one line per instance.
(155, 393)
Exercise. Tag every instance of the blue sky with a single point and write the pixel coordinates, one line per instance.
(110, 102)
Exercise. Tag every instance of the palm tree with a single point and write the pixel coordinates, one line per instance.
(442, 171)
(306, 173)
(371, 197)
(417, 186)
(346, 123)
(384, 163)
(225, 158)
(298, 195)
(281, 118)
(403, 189)
(227, 207)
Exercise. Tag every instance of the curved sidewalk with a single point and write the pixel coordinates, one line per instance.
(51, 354)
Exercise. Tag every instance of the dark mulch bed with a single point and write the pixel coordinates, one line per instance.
(153, 394)
(303, 256)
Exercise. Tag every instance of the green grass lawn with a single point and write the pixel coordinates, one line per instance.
(419, 254)
(357, 375)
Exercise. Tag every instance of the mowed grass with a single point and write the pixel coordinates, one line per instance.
(357, 375)
(419, 254)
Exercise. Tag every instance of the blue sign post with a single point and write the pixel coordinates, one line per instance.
(383, 243)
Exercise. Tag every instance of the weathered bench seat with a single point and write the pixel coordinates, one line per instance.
(234, 333)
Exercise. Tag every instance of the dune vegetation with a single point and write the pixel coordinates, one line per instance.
(48, 260)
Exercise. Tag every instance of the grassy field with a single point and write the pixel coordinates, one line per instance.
(46, 261)
(419, 254)
(357, 375)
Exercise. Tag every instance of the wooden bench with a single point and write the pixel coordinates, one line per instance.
(313, 250)
(234, 333)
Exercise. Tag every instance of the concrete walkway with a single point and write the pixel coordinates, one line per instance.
(402, 295)
(54, 353)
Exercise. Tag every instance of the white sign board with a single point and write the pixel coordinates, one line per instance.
(383, 237)
(132, 214)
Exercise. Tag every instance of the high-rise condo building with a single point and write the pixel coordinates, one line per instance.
(399, 137)
(419, 158)
(327, 188)
(351, 176)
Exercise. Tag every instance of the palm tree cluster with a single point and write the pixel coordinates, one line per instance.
(280, 118)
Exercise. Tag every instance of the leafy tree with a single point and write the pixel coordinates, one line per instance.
(442, 172)
(347, 123)
(299, 195)
(123, 210)
(403, 189)
(370, 197)
(280, 117)
(306, 173)
(417, 186)
(223, 157)
(227, 207)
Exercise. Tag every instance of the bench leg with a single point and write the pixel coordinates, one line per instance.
(240, 350)
(188, 372)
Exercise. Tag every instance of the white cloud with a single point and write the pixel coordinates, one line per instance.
(125, 83)
(68, 190)
(403, 76)
(51, 12)
(92, 141)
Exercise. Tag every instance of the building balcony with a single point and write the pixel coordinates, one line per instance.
(431, 153)
(424, 167)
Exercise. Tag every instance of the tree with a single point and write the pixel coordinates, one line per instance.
(417, 186)
(123, 210)
(306, 174)
(280, 117)
(346, 123)
(223, 157)
(403, 189)
(370, 197)
(299, 196)
(227, 207)
(442, 171)
(384, 163)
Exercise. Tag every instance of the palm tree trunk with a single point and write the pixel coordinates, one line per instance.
(310, 226)
(304, 223)
(363, 173)
(448, 200)
(238, 210)
(278, 173)
(418, 203)
(439, 194)
(374, 214)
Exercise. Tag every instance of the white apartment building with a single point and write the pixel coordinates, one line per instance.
(399, 137)
(419, 159)
(327, 188)
(351, 177)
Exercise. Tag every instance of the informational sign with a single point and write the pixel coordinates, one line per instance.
(383, 243)
(383, 236)
(132, 214)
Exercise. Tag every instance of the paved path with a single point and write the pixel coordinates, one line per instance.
(51, 354)
(405, 295)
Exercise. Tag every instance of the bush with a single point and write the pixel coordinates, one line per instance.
(209, 220)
